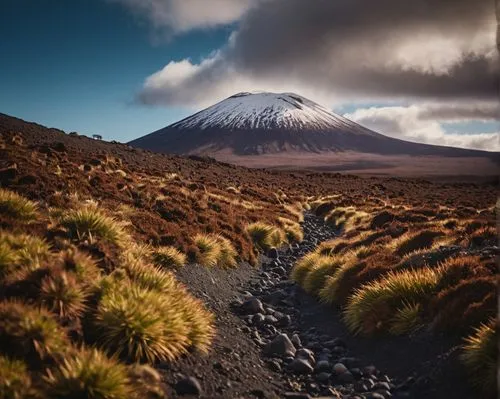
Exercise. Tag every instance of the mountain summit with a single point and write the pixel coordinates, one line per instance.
(277, 123)
(268, 111)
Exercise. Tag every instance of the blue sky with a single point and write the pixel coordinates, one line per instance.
(124, 68)
(76, 65)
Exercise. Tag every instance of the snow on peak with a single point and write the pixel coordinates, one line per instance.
(264, 110)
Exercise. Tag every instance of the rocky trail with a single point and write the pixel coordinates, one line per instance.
(275, 341)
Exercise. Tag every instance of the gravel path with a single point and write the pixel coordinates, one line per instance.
(275, 341)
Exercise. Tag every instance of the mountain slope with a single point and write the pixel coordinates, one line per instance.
(273, 123)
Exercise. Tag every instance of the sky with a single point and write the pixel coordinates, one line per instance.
(124, 68)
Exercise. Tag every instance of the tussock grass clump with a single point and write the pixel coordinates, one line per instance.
(266, 236)
(296, 210)
(209, 249)
(90, 374)
(371, 308)
(200, 322)
(228, 254)
(90, 223)
(346, 217)
(140, 325)
(306, 264)
(169, 257)
(411, 242)
(20, 252)
(148, 276)
(331, 293)
(29, 333)
(61, 293)
(466, 304)
(406, 319)
(479, 356)
(15, 381)
(146, 382)
(453, 271)
(81, 265)
(316, 277)
(16, 206)
(292, 229)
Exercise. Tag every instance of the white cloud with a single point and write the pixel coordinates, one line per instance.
(346, 49)
(407, 123)
(184, 15)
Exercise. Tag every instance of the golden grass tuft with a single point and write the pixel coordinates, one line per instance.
(81, 265)
(413, 241)
(209, 249)
(148, 276)
(479, 356)
(228, 254)
(21, 253)
(88, 373)
(346, 218)
(199, 321)
(15, 381)
(169, 257)
(29, 333)
(292, 229)
(17, 207)
(370, 309)
(266, 236)
(90, 223)
(139, 325)
(316, 277)
(406, 319)
(304, 265)
(61, 293)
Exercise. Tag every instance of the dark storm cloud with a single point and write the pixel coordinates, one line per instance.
(458, 112)
(437, 49)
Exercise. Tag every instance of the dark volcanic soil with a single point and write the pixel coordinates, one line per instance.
(236, 367)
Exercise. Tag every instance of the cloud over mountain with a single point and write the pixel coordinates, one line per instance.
(351, 48)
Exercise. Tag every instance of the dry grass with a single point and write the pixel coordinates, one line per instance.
(90, 223)
(20, 253)
(15, 381)
(304, 265)
(414, 241)
(88, 374)
(61, 293)
(209, 249)
(316, 277)
(16, 207)
(266, 236)
(479, 355)
(139, 325)
(371, 308)
(169, 257)
(29, 333)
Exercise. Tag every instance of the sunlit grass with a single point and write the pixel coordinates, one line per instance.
(140, 325)
(16, 206)
(90, 223)
(371, 307)
(266, 236)
(29, 333)
(479, 355)
(15, 381)
(61, 293)
(209, 249)
(169, 257)
(90, 374)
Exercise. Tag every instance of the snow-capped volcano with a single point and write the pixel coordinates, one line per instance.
(276, 123)
(248, 111)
